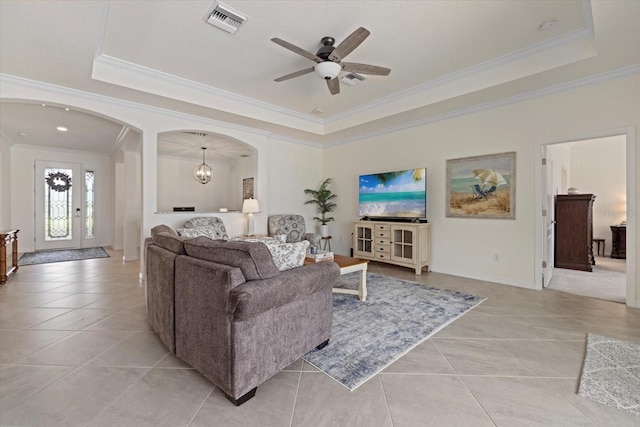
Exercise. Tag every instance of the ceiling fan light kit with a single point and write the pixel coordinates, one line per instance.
(328, 70)
(329, 60)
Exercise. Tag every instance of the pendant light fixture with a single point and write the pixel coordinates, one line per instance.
(203, 172)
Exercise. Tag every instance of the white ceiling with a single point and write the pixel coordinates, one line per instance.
(444, 56)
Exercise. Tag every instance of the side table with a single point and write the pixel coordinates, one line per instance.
(10, 236)
(326, 243)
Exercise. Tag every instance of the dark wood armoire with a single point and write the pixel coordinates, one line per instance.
(574, 231)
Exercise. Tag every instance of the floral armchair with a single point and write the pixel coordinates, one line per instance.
(293, 227)
(212, 227)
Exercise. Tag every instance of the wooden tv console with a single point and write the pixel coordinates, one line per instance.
(401, 243)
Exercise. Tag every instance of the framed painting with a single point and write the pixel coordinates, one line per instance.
(482, 187)
(247, 188)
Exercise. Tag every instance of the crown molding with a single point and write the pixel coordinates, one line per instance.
(586, 81)
(89, 96)
(288, 139)
(614, 74)
(40, 148)
(126, 74)
(493, 64)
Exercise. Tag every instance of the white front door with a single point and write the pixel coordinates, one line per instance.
(548, 217)
(58, 205)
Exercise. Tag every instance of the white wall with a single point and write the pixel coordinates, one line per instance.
(598, 167)
(292, 169)
(118, 207)
(464, 246)
(177, 187)
(22, 203)
(5, 185)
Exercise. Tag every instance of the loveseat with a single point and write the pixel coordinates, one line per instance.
(225, 308)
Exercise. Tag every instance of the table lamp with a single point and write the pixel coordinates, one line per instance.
(249, 206)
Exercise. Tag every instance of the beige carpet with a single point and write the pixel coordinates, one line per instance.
(607, 281)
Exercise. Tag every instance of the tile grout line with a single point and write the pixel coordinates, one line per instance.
(195, 415)
(386, 399)
(295, 399)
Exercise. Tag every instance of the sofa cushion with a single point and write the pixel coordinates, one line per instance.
(252, 298)
(252, 258)
(170, 241)
(162, 228)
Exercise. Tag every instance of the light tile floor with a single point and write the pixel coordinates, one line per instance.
(76, 350)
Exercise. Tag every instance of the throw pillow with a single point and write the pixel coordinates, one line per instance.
(200, 231)
(282, 238)
(287, 255)
(278, 238)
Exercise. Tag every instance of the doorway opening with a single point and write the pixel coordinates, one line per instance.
(601, 165)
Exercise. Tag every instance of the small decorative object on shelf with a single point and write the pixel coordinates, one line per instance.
(320, 256)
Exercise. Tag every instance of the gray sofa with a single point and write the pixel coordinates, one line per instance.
(225, 309)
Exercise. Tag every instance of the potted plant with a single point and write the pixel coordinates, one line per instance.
(323, 199)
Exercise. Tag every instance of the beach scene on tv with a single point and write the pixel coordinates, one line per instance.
(480, 187)
(399, 194)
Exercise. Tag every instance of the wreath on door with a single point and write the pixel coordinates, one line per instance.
(59, 181)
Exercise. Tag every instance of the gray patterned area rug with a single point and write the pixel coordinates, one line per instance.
(45, 257)
(611, 373)
(397, 315)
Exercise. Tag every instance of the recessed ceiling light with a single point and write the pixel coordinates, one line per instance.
(23, 133)
(66, 109)
(317, 110)
(62, 128)
(44, 105)
(547, 25)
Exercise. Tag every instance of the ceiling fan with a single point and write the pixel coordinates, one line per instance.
(329, 59)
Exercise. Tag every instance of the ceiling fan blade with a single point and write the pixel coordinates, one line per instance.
(292, 75)
(349, 44)
(296, 49)
(334, 86)
(365, 69)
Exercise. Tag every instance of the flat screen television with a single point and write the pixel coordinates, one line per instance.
(394, 195)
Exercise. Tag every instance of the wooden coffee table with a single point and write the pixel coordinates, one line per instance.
(350, 265)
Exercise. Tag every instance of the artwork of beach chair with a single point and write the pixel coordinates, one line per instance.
(491, 192)
(477, 192)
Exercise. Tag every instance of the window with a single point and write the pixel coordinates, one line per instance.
(89, 208)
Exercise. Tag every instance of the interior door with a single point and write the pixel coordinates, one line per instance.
(58, 205)
(548, 208)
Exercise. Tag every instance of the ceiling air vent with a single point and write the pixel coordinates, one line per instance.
(352, 79)
(222, 16)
